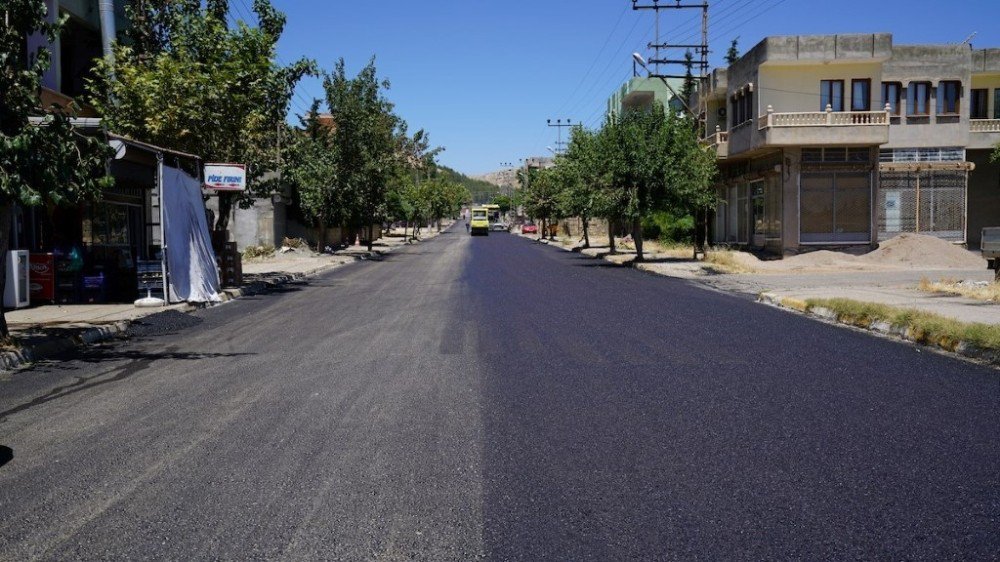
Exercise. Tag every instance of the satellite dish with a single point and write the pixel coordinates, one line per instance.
(119, 148)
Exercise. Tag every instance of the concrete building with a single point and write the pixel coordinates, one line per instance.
(74, 51)
(639, 93)
(836, 141)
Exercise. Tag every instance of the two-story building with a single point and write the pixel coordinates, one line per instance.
(843, 140)
(639, 93)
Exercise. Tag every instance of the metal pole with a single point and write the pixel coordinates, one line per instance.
(108, 31)
(163, 228)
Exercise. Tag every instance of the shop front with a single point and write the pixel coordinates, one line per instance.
(91, 252)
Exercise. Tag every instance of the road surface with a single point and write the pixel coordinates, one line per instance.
(492, 398)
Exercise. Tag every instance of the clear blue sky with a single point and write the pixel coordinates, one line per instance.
(482, 76)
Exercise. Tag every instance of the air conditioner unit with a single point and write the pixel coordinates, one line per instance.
(17, 292)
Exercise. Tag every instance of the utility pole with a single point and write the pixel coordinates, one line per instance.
(659, 45)
(560, 145)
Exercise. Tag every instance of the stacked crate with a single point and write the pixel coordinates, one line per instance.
(230, 264)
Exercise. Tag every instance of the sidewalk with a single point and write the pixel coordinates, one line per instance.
(46, 330)
(895, 286)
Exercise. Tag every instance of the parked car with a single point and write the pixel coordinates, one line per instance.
(499, 226)
(529, 229)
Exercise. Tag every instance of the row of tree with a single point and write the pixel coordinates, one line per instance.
(358, 166)
(636, 164)
(188, 79)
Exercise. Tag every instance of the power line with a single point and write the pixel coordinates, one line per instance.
(297, 101)
(596, 58)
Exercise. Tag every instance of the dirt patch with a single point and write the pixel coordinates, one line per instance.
(923, 252)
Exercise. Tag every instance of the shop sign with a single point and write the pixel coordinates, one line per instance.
(226, 177)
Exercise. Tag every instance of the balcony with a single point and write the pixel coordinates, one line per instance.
(983, 133)
(718, 142)
(823, 128)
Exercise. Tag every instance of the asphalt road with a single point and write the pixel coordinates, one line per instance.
(492, 398)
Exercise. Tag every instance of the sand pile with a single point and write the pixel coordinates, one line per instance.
(924, 252)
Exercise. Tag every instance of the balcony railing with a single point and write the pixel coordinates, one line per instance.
(718, 138)
(984, 125)
(828, 118)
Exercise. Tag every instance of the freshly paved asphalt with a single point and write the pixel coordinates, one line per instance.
(492, 398)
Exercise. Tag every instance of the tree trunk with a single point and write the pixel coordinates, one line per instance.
(5, 211)
(225, 210)
(611, 237)
(637, 238)
(371, 232)
(701, 232)
(586, 232)
(321, 244)
(545, 229)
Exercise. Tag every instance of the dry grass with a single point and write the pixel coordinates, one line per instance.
(923, 327)
(297, 243)
(258, 252)
(725, 261)
(989, 292)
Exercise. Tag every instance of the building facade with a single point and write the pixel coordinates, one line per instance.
(640, 93)
(840, 141)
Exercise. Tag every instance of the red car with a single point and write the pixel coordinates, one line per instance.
(529, 229)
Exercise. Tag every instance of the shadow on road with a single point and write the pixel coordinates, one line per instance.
(6, 455)
(136, 361)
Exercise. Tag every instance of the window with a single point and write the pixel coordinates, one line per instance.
(742, 108)
(890, 95)
(918, 98)
(996, 103)
(835, 154)
(980, 100)
(831, 92)
(949, 96)
(861, 95)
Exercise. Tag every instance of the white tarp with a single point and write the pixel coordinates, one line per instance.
(190, 259)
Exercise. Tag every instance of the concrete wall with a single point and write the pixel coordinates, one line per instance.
(334, 235)
(929, 63)
(261, 225)
(983, 195)
(796, 88)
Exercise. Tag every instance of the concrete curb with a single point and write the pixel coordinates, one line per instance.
(11, 360)
(905, 333)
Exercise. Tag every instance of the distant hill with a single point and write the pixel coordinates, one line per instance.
(500, 178)
(482, 191)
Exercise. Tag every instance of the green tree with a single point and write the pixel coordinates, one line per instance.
(48, 163)
(733, 54)
(505, 202)
(688, 87)
(190, 82)
(654, 162)
(367, 139)
(580, 176)
(311, 170)
(541, 195)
